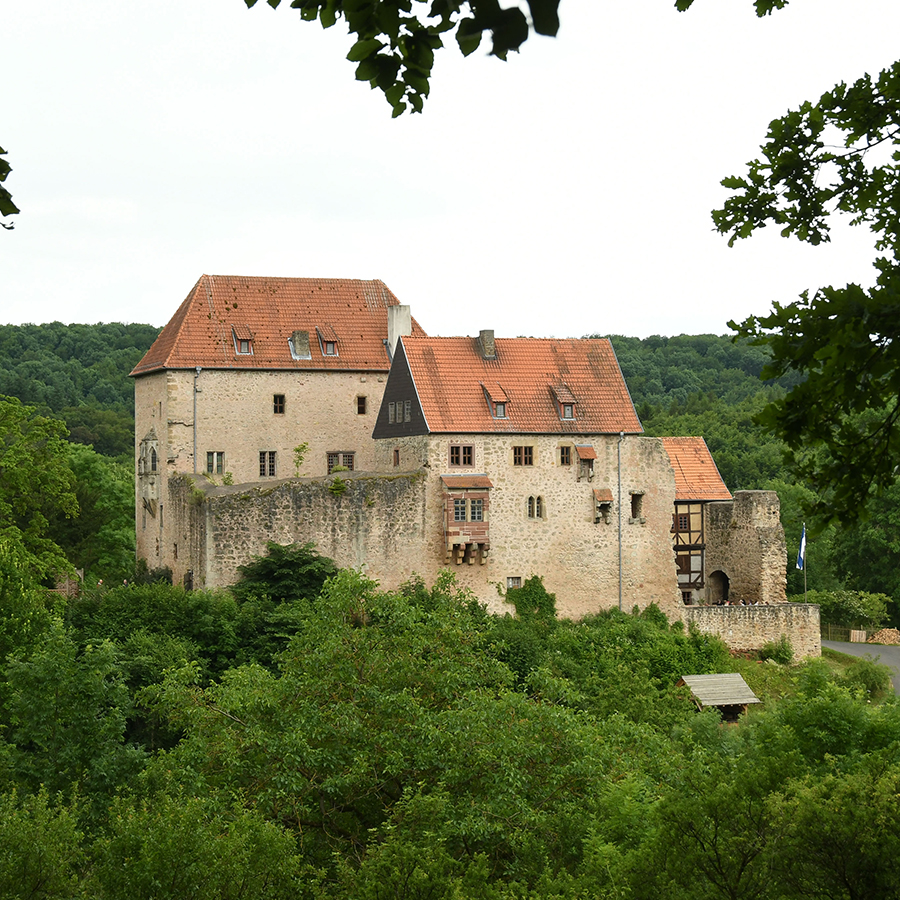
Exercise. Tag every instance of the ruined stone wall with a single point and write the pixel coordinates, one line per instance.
(376, 524)
(750, 627)
(745, 540)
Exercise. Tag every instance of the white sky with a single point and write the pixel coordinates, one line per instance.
(563, 193)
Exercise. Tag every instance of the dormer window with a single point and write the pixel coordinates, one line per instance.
(243, 340)
(497, 400)
(328, 340)
(299, 345)
(565, 401)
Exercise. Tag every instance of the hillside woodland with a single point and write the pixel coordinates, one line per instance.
(306, 735)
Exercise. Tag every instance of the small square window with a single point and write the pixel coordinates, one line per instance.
(523, 456)
(459, 510)
(360, 406)
(476, 510)
(499, 410)
(565, 456)
(462, 455)
(334, 459)
(215, 463)
(568, 411)
(513, 581)
(330, 348)
(348, 460)
(278, 404)
(243, 346)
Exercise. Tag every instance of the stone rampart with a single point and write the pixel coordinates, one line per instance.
(750, 627)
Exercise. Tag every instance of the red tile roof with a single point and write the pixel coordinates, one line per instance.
(451, 376)
(466, 482)
(696, 475)
(269, 310)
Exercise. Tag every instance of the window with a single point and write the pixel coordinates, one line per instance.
(243, 346)
(396, 456)
(523, 456)
(342, 458)
(154, 459)
(535, 507)
(499, 410)
(565, 456)
(459, 510)
(330, 348)
(243, 339)
(513, 581)
(278, 404)
(266, 463)
(407, 410)
(462, 455)
(683, 522)
(392, 413)
(215, 462)
(476, 510)
(360, 406)
(568, 411)
(637, 505)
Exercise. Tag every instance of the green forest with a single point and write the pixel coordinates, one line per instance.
(304, 734)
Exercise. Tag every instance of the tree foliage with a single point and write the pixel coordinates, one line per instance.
(7, 207)
(838, 155)
(36, 483)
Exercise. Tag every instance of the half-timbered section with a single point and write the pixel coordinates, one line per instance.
(697, 482)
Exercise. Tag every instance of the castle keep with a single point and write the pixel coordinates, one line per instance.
(297, 410)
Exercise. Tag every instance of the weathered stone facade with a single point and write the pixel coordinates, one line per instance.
(392, 525)
(746, 550)
(751, 627)
(235, 417)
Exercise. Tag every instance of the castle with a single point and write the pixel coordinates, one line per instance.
(300, 410)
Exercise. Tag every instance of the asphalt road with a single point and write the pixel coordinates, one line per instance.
(885, 654)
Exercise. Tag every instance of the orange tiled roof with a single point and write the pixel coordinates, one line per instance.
(696, 475)
(269, 310)
(451, 378)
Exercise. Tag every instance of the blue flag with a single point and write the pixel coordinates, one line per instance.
(801, 556)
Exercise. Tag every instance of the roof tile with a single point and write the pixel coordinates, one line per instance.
(696, 475)
(271, 310)
(452, 378)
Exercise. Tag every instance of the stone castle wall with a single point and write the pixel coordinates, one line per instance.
(745, 541)
(751, 627)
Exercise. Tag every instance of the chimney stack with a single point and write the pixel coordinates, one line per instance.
(486, 340)
(399, 324)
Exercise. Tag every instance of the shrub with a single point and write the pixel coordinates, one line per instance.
(779, 651)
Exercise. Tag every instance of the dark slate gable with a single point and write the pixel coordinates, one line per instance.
(400, 387)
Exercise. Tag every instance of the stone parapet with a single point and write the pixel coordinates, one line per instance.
(751, 627)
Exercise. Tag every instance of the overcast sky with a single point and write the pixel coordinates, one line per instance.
(565, 192)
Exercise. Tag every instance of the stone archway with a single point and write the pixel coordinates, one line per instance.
(717, 588)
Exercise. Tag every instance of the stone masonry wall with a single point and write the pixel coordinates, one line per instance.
(745, 540)
(235, 416)
(750, 627)
(577, 557)
(375, 525)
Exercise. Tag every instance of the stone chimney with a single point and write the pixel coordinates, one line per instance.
(300, 345)
(486, 341)
(399, 324)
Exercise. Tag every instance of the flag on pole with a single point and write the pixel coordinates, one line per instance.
(801, 556)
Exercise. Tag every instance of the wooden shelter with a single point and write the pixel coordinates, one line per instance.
(729, 693)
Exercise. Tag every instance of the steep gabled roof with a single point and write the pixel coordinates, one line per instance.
(221, 309)
(454, 383)
(696, 475)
